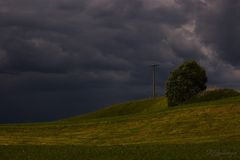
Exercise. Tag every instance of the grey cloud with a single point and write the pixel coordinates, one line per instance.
(91, 53)
(219, 27)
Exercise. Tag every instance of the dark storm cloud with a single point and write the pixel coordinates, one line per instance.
(219, 26)
(64, 57)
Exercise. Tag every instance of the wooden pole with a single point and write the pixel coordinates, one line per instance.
(154, 70)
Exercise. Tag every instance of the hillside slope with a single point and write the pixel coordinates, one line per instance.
(136, 122)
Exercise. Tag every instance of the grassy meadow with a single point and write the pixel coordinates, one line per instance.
(202, 151)
(143, 129)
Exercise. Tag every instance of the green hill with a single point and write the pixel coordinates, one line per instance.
(197, 130)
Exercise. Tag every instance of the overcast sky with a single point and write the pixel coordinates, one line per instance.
(60, 58)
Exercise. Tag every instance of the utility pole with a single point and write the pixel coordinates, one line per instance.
(154, 72)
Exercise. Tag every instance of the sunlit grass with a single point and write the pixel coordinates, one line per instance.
(137, 126)
(200, 122)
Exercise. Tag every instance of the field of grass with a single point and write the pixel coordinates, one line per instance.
(144, 129)
(203, 151)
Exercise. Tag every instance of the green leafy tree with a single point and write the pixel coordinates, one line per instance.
(185, 82)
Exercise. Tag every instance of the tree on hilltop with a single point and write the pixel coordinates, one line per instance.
(185, 82)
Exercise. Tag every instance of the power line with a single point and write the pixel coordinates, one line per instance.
(154, 72)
